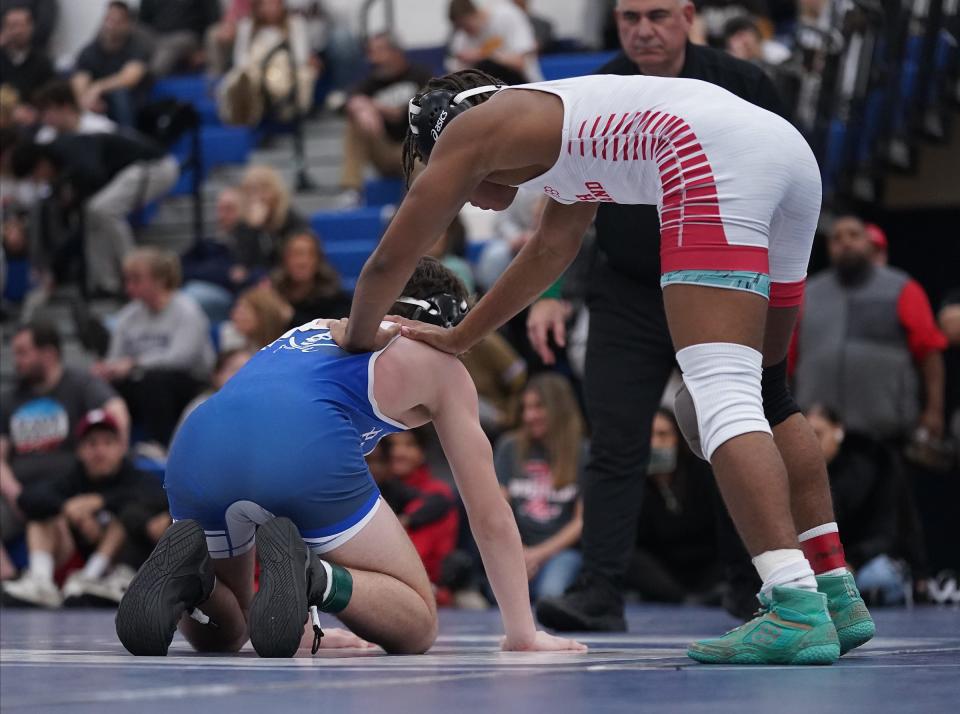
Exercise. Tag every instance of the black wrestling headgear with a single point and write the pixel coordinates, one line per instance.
(434, 111)
(443, 309)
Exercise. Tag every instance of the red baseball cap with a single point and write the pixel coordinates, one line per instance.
(96, 419)
(877, 237)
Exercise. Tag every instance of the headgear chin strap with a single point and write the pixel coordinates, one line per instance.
(443, 309)
(434, 111)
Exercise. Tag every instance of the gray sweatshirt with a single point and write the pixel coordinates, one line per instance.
(176, 338)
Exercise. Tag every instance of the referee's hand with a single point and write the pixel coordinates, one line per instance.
(548, 317)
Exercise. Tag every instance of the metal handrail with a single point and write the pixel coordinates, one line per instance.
(389, 9)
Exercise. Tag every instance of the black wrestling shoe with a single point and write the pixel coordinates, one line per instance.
(176, 578)
(279, 609)
(591, 604)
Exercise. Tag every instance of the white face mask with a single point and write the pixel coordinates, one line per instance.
(663, 460)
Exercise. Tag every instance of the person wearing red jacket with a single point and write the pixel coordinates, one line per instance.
(425, 505)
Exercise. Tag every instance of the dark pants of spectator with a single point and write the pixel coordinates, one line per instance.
(676, 581)
(629, 360)
(121, 107)
(156, 399)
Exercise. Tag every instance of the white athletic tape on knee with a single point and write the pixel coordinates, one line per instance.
(724, 383)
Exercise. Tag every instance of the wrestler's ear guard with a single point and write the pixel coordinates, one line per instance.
(442, 309)
(432, 112)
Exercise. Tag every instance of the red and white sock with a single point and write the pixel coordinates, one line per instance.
(824, 550)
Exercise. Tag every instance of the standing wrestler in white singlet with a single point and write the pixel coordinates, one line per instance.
(738, 191)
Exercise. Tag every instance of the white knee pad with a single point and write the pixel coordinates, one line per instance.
(723, 381)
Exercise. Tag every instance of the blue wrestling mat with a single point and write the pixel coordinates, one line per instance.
(71, 662)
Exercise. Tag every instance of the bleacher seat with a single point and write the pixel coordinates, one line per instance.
(348, 257)
(219, 146)
(573, 65)
(360, 224)
(186, 87)
(383, 191)
(429, 57)
(143, 216)
(225, 145)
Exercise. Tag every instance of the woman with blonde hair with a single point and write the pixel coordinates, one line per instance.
(258, 318)
(540, 467)
(266, 221)
(273, 67)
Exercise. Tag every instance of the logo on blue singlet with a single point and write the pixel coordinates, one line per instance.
(372, 434)
(310, 344)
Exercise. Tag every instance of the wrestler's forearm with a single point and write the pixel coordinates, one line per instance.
(429, 208)
(539, 263)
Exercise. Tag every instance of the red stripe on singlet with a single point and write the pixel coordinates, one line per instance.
(593, 133)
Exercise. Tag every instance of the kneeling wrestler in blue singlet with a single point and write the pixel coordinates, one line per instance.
(275, 459)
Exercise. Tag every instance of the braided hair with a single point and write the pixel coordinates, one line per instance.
(455, 82)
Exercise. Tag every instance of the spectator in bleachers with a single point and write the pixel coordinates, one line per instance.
(499, 374)
(308, 282)
(40, 414)
(221, 36)
(871, 499)
(742, 39)
(542, 27)
(341, 49)
(160, 350)
(14, 228)
(44, 14)
(87, 510)
(425, 505)
(259, 316)
(512, 229)
(107, 176)
(868, 345)
(22, 64)
(267, 220)
(212, 271)
(377, 115)
(177, 28)
(451, 249)
(497, 38)
(60, 113)
(949, 319)
(716, 15)
(540, 468)
(110, 76)
(675, 559)
(269, 43)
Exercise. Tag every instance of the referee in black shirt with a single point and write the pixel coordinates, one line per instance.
(629, 353)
